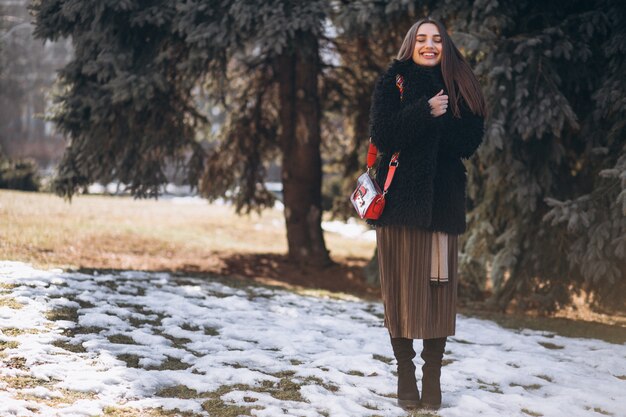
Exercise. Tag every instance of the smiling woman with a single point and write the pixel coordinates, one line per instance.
(425, 206)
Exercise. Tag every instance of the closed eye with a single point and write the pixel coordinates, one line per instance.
(436, 39)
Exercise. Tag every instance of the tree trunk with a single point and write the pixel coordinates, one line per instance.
(300, 144)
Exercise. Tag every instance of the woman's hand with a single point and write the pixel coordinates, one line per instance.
(438, 104)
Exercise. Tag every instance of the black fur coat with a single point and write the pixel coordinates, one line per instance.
(428, 189)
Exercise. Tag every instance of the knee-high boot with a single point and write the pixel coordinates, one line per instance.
(431, 372)
(408, 394)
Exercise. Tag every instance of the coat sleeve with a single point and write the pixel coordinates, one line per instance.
(392, 125)
(460, 137)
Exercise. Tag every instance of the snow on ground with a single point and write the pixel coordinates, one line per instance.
(353, 228)
(144, 332)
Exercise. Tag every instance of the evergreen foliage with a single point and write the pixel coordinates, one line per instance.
(548, 189)
(129, 106)
(126, 105)
(18, 174)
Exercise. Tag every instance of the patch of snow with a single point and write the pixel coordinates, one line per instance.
(210, 335)
(353, 228)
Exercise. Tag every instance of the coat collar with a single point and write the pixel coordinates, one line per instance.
(410, 69)
(419, 80)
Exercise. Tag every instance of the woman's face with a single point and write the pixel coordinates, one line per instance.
(427, 50)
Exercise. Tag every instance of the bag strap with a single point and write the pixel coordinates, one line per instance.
(372, 151)
(400, 85)
(393, 164)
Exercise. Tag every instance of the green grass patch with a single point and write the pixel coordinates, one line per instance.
(356, 373)
(71, 347)
(179, 342)
(211, 331)
(599, 411)
(146, 412)
(287, 390)
(121, 339)
(132, 361)
(311, 380)
(561, 326)
(549, 345)
(63, 313)
(171, 364)
(82, 330)
(531, 387)
(84, 304)
(531, 413)
(179, 391)
(489, 386)
(217, 407)
(190, 327)
(236, 365)
(141, 322)
(384, 359)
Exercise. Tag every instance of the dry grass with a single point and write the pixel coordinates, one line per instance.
(10, 303)
(148, 412)
(123, 233)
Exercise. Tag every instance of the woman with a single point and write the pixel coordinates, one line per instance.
(428, 106)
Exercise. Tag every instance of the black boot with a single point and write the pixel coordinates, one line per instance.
(431, 372)
(408, 394)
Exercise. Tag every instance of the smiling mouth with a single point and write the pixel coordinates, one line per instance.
(429, 55)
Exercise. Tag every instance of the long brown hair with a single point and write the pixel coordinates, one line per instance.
(454, 68)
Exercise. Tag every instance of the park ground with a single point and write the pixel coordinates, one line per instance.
(153, 303)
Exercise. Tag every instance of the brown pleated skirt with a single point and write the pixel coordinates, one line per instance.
(414, 308)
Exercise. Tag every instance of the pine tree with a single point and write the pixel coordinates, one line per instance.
(129, 102)
(548, 189)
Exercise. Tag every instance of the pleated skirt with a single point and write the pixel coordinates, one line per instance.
(414, 308)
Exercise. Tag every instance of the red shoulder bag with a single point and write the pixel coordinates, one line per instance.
(368, 199)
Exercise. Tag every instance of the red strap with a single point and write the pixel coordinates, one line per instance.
(372, 151)
(393, 164)
(400, 85)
